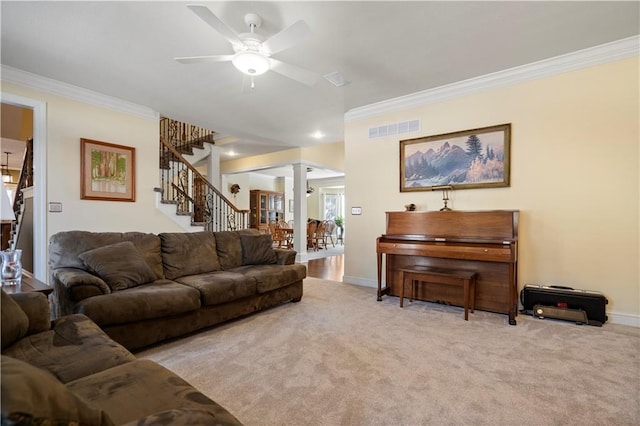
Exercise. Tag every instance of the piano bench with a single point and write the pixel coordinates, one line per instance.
(426, 274)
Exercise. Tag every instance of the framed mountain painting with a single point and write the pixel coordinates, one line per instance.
(476, 158)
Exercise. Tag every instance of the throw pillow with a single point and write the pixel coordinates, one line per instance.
(120, 265)
(15, 322)
(31, 395)
(257, 250)
(188, 253)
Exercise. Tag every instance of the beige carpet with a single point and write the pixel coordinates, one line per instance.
(340, 358)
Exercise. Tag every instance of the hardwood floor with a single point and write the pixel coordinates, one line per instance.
(328, 268)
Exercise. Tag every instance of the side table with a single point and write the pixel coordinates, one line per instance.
(28, 283)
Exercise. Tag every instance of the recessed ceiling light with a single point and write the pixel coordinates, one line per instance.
(232, 153)
(317, 134)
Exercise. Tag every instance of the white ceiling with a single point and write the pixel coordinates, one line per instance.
(384, 49)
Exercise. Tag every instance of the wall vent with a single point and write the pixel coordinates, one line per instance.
(336, 79)
(394, 129)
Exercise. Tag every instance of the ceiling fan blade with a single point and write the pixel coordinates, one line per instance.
(207, 16)
(289, 37)
(301, 75)
(200, 59)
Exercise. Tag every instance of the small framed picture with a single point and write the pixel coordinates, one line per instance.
(107, 171)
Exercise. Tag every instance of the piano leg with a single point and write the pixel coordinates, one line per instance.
(379, 277)
(386, 289)
(513, 294)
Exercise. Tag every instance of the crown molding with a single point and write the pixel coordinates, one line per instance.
(69, 91)
(604, 53)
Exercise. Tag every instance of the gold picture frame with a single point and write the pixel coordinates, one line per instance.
(107, 171)
(476, 158)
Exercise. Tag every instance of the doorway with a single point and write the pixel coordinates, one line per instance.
(39, 111)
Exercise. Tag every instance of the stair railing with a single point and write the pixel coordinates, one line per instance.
(183, 185)
(24, 181)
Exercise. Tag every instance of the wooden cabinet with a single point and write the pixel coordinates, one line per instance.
(265, 206)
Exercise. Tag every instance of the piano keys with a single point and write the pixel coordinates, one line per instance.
(485, 242)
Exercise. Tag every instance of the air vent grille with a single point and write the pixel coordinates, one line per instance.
(394, 129)
(336, 79)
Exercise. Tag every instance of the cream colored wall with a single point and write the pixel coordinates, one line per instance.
(67, 122)
(574, 178)
(330, 156)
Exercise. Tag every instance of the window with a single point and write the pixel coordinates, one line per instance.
(333, 205)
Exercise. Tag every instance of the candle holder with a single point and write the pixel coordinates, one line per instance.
(445, 195)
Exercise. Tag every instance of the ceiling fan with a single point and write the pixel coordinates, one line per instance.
(253, 54)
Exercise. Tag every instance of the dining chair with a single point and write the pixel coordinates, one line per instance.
(329, 231)
(277, 236)
(320, 238)
(311, 233)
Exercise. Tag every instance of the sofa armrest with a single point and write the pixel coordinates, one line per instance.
(36, 306)
(285, 256)
(72, 285)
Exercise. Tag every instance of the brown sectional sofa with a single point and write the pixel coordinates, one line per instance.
(69, 372)
(143, 288)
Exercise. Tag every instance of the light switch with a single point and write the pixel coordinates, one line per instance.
(356, 210)
(55, 207)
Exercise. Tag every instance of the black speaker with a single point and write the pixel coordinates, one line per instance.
(577, 315)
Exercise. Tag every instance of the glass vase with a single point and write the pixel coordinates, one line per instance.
(11, 273)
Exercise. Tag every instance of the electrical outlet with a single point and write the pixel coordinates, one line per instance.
(55, 207)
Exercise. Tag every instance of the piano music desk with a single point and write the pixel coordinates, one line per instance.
(464, 279)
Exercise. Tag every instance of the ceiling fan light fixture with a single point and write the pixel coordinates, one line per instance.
(251, 63)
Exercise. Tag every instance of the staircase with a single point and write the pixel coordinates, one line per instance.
(19, 205)
(183, 186)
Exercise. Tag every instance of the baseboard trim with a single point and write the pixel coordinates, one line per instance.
(624, 319)
(365, 282)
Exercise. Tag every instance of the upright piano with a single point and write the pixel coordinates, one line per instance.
(485, 242)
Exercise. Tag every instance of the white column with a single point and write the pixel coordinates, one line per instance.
(213, 167)
(300, 211)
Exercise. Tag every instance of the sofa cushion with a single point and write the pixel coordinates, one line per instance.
(15, 322)
(229, 247)
(120, 265)
(188, 253)
(220, 287)
(162, 298)
(33, 396)
(36, 306)
(257, 249)
(74, 347)
(142, 388)
(271, 277)
(64, 247)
